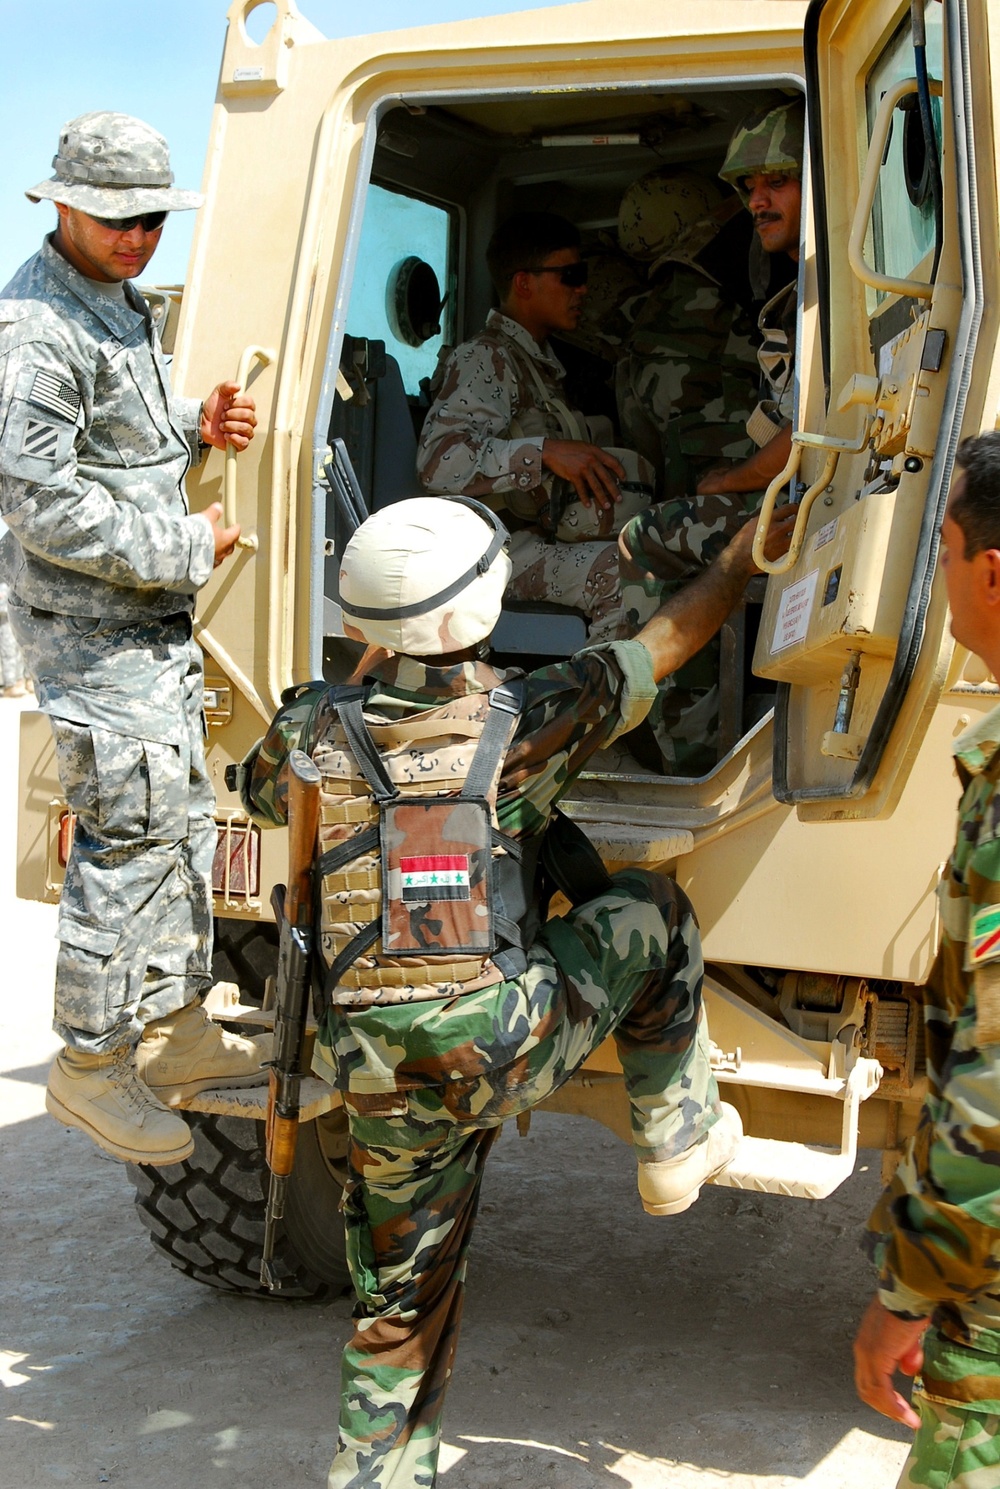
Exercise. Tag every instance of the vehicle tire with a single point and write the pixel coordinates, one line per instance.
(206, 1215)
(246, 952)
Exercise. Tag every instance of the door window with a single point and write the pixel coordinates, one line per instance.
(397, 228)
(902, 230)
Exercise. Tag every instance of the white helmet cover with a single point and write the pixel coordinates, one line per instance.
(425, 576)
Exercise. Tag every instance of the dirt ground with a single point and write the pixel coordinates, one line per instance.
(600, 1347)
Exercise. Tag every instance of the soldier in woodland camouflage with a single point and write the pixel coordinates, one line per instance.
(687, 380)
(935, 1233)
(664, 547)
(501, 430)
(103, 561)
(431, 1054)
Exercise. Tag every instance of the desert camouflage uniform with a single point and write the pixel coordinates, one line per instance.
(672, 542)
(427, 1085)
(483, 437)
(935, 1232)
(103, 562)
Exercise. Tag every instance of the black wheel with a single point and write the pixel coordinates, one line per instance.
(246, 952)
(206, 1215)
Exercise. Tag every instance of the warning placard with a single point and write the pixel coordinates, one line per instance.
(794, 612)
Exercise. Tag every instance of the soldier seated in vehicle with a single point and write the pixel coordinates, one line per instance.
(450, 1006)
(686, 382)
(501, 430)
(666, 546)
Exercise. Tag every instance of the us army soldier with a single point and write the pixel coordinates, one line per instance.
(103, 561)
(663, 548)
(935, 1233)
(500, 428)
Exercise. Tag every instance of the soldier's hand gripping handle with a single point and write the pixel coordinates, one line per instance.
(292, 997)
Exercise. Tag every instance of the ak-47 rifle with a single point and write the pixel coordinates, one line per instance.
(294, 911)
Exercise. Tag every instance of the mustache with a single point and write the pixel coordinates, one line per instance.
(760, 217)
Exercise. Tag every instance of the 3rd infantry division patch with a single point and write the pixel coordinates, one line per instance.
(40, 440)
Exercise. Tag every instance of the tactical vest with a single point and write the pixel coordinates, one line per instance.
(421, 895)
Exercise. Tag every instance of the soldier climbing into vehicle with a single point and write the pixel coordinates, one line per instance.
(448, 1003)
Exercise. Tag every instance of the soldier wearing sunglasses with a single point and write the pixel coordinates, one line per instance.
(104, 560)
(501, 427)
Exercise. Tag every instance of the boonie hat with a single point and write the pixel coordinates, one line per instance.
(425, 576)
(111, 165)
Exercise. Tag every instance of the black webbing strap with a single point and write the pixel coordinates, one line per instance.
(356, 947)
(506, 702)
(335, 858)
(363, 748)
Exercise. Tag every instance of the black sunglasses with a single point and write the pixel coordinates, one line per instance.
(150, 221)
(571, 275)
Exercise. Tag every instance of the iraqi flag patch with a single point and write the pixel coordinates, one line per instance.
(984, 935)
(437, 876)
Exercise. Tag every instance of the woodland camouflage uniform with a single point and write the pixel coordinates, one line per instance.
(427, 1084)
(671, 543)
(935, 1233)
(501, 396)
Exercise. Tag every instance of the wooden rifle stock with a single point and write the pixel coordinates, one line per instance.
(294, 909)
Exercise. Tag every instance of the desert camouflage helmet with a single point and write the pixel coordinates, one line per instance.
(768, 139)
(425, 576)
(659, 208)
(111, 165)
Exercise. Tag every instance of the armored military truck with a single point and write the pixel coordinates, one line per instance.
(381, 165)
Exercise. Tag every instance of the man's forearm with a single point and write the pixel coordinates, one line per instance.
(690, 618)
(760, 468)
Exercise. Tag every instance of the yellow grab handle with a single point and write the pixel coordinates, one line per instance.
(888, 283)
(250, 355)
(788, 561)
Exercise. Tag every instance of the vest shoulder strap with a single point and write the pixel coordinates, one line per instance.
(506, 703)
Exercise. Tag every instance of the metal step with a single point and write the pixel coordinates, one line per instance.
(768, 1166)
(804, 1170)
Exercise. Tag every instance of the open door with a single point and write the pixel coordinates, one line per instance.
(897, 347)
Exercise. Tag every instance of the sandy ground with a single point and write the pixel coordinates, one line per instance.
(600, 1347)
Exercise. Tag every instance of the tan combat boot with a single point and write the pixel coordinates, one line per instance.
(186, 1052)
(671, 1187)
(103, 1096)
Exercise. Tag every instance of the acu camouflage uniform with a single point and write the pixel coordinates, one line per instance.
(428, 1083)
(501, 396)
(935, 1233)
(103, 561)
(11, 660)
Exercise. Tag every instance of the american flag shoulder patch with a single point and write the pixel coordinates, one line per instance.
(435, 876)
(40, 440)
(50, 391)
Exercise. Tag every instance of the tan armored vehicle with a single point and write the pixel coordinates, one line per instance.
(352, 186)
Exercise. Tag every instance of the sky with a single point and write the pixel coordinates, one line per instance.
(61, 58)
